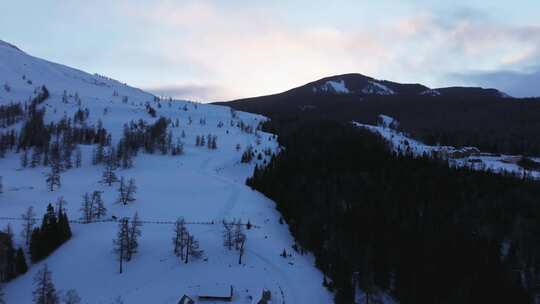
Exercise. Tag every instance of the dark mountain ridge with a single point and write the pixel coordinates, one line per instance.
(399, 226)
(459, 116)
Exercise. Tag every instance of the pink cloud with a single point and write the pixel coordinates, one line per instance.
(254, 52)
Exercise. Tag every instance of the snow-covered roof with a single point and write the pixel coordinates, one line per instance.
(218, 290)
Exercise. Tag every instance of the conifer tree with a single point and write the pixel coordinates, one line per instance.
(2, 295)
(228, 240)
(87, 208)
(7, 255)
(44, 292)
(71, 297)
(247, 156)
(100, 154)
(109, 176)
(53, 177)
(60, 204)
(37, 245)
(122, 190)
(66, 156)
(20, 262)
(213, 146)
(234, 237)
(52, 233)
(238, 234)
(78, 158)
(35, 159)
(29, 221)
(192, 248)
(126, 192)
(180, 238)
(49, 229)
(134, 234)
(64, 230)
(121, 243)
(98, 205)
(46, 161)
(202, 142)
(24, 159)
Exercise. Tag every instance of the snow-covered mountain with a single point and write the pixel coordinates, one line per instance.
(358, 84)
(204, 186)
(23, 73)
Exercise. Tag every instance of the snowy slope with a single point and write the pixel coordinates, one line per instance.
(202, 186)
(376, 88)
(337, 87)
(460, 157)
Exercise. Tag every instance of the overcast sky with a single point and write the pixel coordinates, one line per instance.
(219, 50)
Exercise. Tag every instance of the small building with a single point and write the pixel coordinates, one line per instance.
(186, 300)
(216, 292)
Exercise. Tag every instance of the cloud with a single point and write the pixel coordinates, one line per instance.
(253, 52)
(190, 92)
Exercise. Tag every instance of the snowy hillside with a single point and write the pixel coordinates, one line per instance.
(204, 186)
(460, 157)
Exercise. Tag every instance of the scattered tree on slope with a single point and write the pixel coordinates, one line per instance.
(45, 292)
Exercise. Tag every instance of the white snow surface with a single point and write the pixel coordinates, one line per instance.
(504, 95)
(388, 122)
(457, 157)
(377, 88)
(338, 87)
(201, 186)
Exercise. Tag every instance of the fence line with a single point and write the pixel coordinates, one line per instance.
(156, 222)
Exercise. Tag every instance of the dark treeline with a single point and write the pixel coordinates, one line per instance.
(53, 232)
(42, 93)
(493, 124)
(10, 114)
(411, 227)
(12, 261)
(51, 142)
(35, 134)
(149, 137)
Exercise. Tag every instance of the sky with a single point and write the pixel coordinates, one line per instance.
(220, 50)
